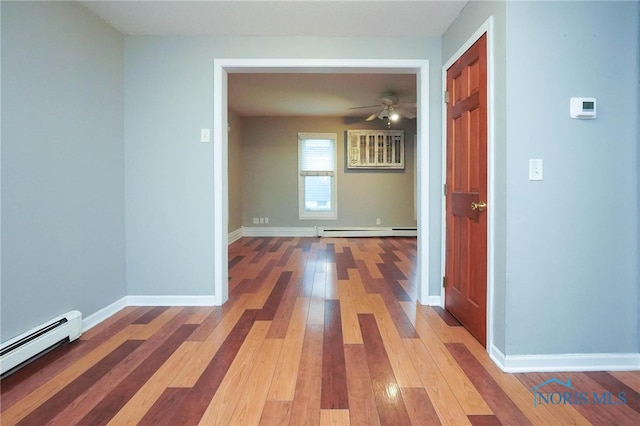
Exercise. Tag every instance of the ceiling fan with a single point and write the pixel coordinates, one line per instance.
(390, 108)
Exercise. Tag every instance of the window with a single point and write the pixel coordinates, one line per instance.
(317, 176)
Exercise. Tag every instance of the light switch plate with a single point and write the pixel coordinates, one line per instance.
(205, 135)
(535, 169)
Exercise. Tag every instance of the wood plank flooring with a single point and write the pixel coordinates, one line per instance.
(315, 332)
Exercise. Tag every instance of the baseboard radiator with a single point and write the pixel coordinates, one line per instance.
(28, 346)
(368, 232)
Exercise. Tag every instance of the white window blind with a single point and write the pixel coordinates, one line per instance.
(317, 169)
(317, 155)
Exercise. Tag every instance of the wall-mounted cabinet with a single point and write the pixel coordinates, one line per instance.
(375, 149)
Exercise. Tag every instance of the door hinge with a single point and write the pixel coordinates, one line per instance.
(444, 189)
(446, 97)
(444, 282)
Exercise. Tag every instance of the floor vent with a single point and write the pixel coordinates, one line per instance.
(368, 232)
(28, 346)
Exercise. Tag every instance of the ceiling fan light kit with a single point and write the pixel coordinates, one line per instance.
(388, 114)
(389, 109)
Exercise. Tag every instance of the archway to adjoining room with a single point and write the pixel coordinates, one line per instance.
(223, 67)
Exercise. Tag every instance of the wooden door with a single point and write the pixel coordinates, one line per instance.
(466, 191)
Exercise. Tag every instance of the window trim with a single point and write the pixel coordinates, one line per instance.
(325, 215)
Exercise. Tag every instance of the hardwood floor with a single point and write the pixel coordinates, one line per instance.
(316, 332)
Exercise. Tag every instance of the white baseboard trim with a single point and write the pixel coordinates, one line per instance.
(278, 231)
(565, 362)
(96, 318)
(235, 235)
(314, 231)
(141, 300)
(367, 232)
(435, 301)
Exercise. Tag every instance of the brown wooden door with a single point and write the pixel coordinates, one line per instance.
(466, 218)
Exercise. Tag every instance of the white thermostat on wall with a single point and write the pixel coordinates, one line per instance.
(583, 108)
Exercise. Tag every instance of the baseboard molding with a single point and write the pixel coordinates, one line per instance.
(142, 300)
(435, 301)
(367, 232)
(278, 231)
(565, 362)
(235, 235)
(315, 231)
(106, 312)
(96, 318)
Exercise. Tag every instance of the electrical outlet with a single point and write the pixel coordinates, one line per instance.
(378, 221)
(261, 220)
(266, 220)
(256, 221)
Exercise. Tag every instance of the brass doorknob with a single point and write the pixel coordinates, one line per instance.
(479, 206)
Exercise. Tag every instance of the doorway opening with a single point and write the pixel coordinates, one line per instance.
(223, 67)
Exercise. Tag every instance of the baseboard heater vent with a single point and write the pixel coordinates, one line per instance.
(28, 346)
(368, 232)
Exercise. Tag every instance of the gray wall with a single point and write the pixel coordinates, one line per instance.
(62, 163)
(567, 247)
(11, 332)
(236, 171)
(573, 253)
(169, 173)
(270, 148)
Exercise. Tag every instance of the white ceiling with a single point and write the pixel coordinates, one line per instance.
(348, 18)
(316, 94)
(285, 94)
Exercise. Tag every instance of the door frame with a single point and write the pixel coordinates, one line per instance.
(486, 27)
(222, 67)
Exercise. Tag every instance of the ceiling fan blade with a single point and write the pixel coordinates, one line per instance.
(368, 106)
(405, 113)
(372, 117)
